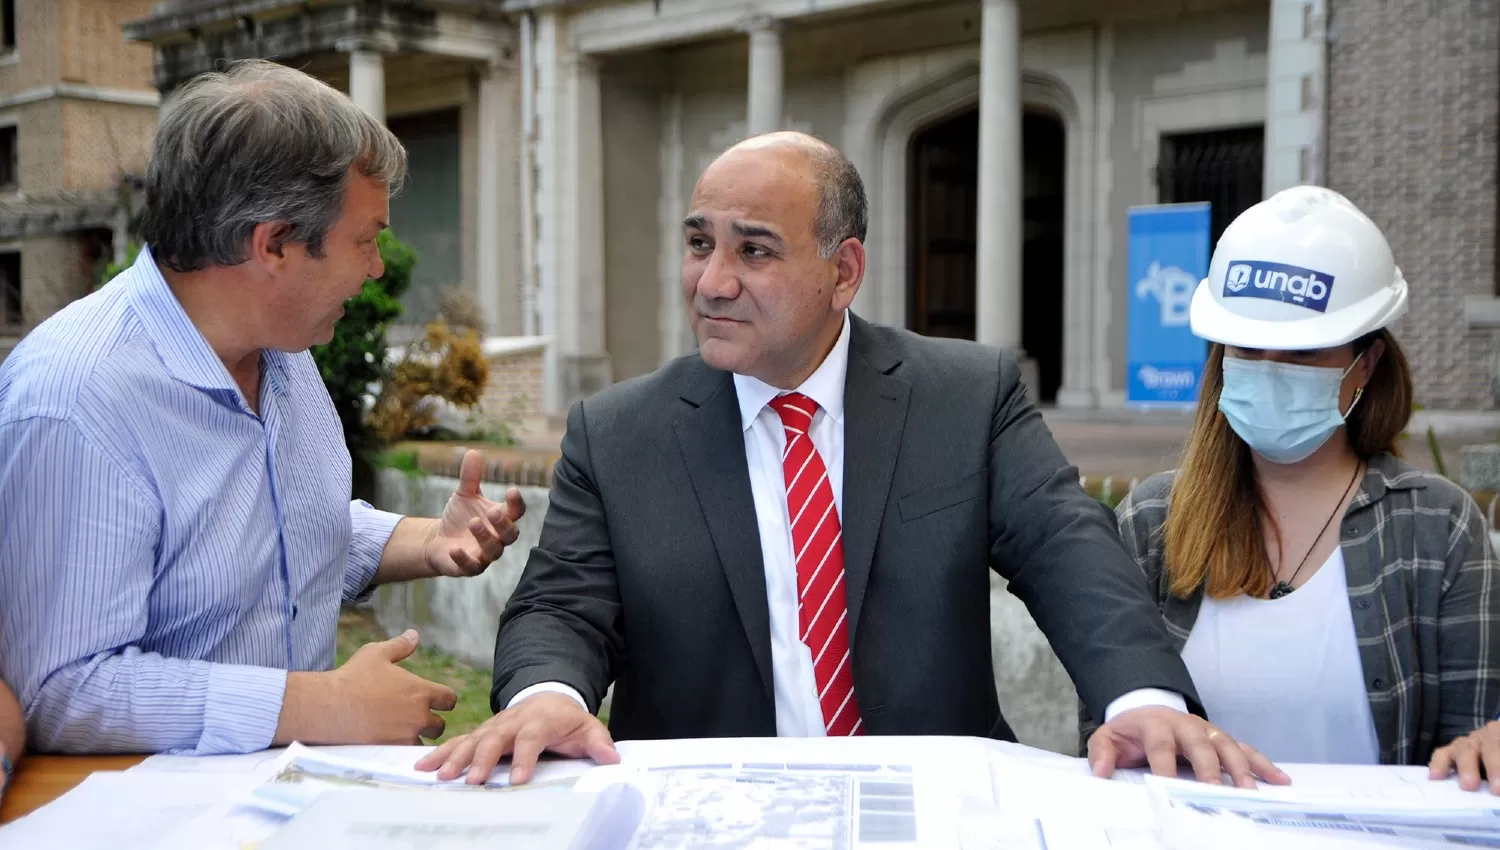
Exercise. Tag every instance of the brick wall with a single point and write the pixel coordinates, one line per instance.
(514, 392)
(1413, 103)
(38, 57)
(39, 135)
(94, 49)
(103, 140)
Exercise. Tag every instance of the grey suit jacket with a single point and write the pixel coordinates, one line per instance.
(648, 573)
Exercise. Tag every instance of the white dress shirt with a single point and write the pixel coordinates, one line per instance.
(798, 712)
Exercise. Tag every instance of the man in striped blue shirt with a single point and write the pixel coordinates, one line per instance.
(176, 533)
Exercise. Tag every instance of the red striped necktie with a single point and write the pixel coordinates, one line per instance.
(818, 543)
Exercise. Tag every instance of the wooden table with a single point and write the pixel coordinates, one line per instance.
(41, 779)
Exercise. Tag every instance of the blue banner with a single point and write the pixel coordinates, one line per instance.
(1169, 254)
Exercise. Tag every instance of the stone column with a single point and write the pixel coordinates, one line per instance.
(1296, 71)
(590, 370)
(366, 74)
(998, 296)
(551, 91)
(570, 217)
(490, 241)
(766, 93)
(675, 335)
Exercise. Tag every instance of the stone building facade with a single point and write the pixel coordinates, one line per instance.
(555, 143)
(1414, 123)
(77, 115)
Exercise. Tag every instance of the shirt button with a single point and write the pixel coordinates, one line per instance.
(1363, 604)
(1378, 684)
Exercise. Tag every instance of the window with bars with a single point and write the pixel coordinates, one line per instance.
(1222, 167)
(11, 315)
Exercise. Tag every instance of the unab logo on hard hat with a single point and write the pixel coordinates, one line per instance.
(1278, 282)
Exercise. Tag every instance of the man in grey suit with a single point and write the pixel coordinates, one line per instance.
(789, 531)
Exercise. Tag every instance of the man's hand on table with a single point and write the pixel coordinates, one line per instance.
(544, 721)
(1156, 736)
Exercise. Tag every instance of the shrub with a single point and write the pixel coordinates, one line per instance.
(108, 271)
(353, 363)
(446, 365)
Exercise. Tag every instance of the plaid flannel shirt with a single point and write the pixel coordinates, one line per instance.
(1424, 590)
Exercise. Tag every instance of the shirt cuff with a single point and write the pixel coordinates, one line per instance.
(548, 688)
(1142, 697)
(371, 530)
(242, 709)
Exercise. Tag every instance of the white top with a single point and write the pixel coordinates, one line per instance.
(798, 713)
(1284, 675)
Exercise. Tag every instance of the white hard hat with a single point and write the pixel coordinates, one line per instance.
(1301, 270)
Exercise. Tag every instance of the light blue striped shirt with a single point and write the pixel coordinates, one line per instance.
(165, 554)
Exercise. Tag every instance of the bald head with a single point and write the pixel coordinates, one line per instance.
(773, 256)
(843, 210)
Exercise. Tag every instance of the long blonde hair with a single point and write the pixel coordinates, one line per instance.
(1214, 534)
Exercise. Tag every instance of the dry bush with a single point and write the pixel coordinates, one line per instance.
(446, 363)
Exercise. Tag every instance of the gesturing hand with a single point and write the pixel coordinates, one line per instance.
(473, 530)
(1156, 736)
(544, 721)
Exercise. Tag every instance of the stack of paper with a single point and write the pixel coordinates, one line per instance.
(1189, 813)
(867, 793)
(383, 819)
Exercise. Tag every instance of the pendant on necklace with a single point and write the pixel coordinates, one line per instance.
(1281, 589)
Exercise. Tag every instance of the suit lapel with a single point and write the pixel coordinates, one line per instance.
(875, 406)
(712, 444)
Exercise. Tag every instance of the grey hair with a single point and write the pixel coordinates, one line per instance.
(843, 209)
(257, 142)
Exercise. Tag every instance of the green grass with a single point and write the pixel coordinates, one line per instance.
(402, 459)
(357, 628)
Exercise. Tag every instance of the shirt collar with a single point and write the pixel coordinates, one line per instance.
(824, 386)
(181, 346)
(1386, 472)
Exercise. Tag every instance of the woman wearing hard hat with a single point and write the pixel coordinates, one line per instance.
(1333, 603)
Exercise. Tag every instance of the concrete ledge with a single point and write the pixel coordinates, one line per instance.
(503, 466)
(1482, 311)
(531, 467)
(1444, 422)
(506, 346)
(456, 616)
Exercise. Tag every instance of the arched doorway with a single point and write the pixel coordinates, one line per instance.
(944, 220)
(1044, 147)
(943, 169)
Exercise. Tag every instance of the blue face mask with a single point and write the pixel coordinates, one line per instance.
(1283, 411)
